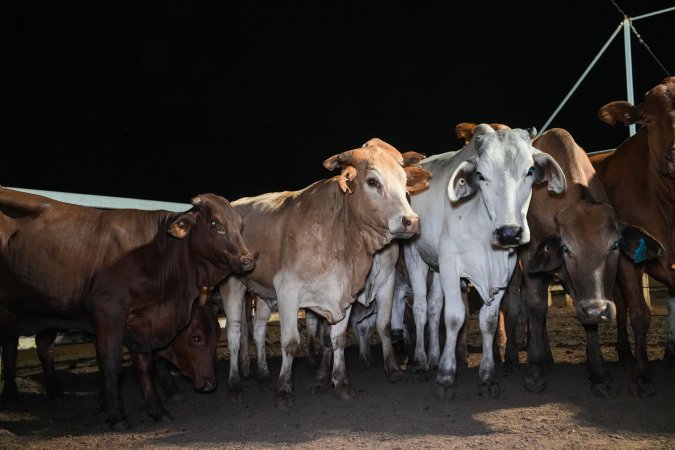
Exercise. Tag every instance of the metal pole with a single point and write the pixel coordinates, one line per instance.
(629, 68)
(583, 75)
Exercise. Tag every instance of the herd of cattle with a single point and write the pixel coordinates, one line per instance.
(507, 215)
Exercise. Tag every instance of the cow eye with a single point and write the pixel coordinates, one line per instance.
(615, 245)
(372, 182)
(565, 249)
(480, 176)
(530, 171)
(213, 223)
(196, 339)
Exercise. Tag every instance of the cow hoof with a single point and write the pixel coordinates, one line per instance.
(488, 389)
(319, 387)
(394, 375)
(283, 400)
(641, 390)
(603, 390)
(535, 384)
(265, 384)
(235, 397)
(443, 392)
(121, 425)
(421, 377)
(345, 393)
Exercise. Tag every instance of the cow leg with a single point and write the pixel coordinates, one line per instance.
(9, 346)
(488, 319)
(383, 321)
(244, 359)
(669, 353)
(233, 293)
(262, 315)
(363, 330)
(435, 305)
(143, 363)
(44, 341)
(398, 330)
(321, 380)
(338, 338)
(536, 295)
(602, 384)
(109, 356)
(630, 280)
(511, 307)
(290, 344)
(454, 315)
(462, 350)
(314, 341)
(623, 349)
(417, 271)
(166, 379)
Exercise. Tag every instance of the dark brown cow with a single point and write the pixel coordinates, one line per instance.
(316, 247)
(639, 178)
(576, 239)
(193, 352)
(128, 276)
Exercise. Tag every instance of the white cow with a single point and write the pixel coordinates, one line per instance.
(315, 246)
(472, 217)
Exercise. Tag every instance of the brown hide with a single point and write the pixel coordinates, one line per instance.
(127, 274)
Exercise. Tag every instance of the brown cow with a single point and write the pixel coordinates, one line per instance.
(316, 247)
(640, 182)
(576, 239)
(128, 276)
(193, 352)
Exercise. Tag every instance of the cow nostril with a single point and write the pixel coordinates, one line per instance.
(406, 222)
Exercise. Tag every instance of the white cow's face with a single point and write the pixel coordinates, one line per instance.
(502, 173)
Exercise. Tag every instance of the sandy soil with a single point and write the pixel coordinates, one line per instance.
(384, 415)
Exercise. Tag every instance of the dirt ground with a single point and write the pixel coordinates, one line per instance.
(383, 416)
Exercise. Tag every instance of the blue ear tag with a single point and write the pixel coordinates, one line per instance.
(640, 252)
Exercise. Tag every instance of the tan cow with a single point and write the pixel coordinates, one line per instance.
(315, 247)
(639, 177)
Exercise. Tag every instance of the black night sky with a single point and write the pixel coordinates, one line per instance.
(166, 100)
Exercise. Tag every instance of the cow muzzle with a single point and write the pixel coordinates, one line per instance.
(407, 226)
(592, 312)
(244, 263)
(205, 384)
(508, 235)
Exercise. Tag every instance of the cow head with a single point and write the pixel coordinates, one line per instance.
(584, 252)
(193, 351)
(657, 114)
(382, 176)
(214, 230)
(502, 169)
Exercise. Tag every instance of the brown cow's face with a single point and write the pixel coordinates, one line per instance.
(658, 115)
(193, 351)
(374, 173)
(220, 238)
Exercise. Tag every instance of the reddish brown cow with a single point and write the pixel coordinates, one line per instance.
(576, 239)
(128, 276)
(193, 352)
(639, 178)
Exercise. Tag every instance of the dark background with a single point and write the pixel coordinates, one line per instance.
(166, 100)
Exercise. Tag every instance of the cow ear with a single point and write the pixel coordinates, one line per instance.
(464, 131)
(548, 256)
(547, 169)
(417, 178)
(204, 295)
(621, 111)
(639, 245)
(463, 181)
(348, 175)
(180, 227)
(340, 160)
